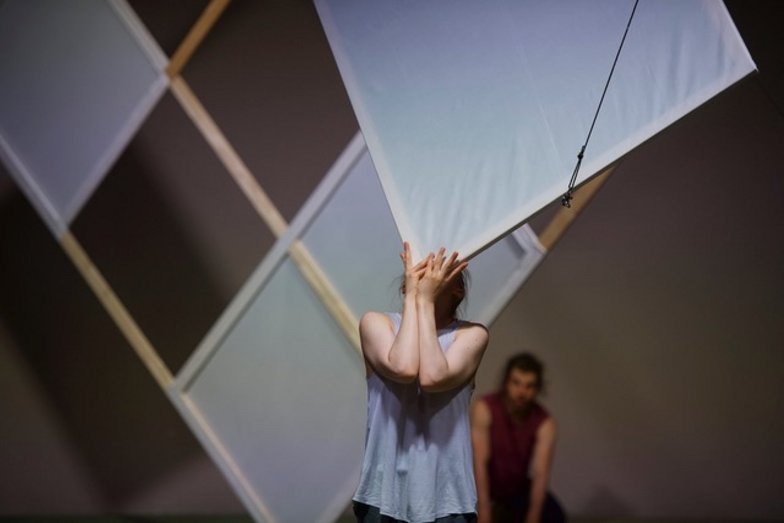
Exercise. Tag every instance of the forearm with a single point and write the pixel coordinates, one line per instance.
(403, 356)
(432, 363)
(483, 503)
(536, 498)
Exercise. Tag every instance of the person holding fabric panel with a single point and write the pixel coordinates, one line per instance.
(514, 440)
(420, 368)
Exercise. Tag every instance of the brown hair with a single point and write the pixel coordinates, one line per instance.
(525, 362)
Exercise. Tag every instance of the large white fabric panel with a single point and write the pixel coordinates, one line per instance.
(283, 394)
(76, 80)
(474, 111)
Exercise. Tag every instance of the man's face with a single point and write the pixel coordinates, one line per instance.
(521, 388)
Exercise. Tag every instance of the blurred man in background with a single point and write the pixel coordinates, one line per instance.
(513, 440)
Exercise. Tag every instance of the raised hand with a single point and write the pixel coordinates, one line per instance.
(439, 273)
(412, 273)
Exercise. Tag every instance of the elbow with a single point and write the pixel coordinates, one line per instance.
(431, 384)
(406, 376)
(539, 476)
(402, 374)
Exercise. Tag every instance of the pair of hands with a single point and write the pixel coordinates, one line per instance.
(428, 278)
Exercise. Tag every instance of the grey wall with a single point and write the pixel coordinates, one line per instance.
(657, 314)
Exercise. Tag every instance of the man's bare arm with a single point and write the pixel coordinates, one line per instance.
(540, 469)
(481, 419)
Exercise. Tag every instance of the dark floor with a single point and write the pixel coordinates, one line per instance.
(247, 519)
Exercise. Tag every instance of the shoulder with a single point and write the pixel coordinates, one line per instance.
(464, 325)
(545, 421)
(481, 415)
(547, 429)
(488, 403)
(473, 331)
(376, 328)
(541, 412)
(492, 402)
(375, 320)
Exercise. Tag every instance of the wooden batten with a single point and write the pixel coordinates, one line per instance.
(116, 310)
(228, 156)
(203, 430)
(566, 215)
(195, 36)
(328, 295)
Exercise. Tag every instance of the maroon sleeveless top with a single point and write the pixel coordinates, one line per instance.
(511, 447)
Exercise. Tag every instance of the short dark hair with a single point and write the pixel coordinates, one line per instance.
(524, 362)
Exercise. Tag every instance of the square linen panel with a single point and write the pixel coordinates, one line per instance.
(76, 80)
(474, 112)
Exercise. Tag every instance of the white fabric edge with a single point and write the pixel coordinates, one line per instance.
(260, 276)
(219, 455)
(110, 155)
(232, 314)
(229, 318)
(407, 232)
(527, 237)
(516, 219)
(324, 191)
(731, 30)
(159, 61)
(597, 165)
(35, 195)
(140, 33)
(533, 254)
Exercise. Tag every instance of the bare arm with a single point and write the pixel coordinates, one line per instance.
(395, 357)
(481, 420)
(439, 371)
(540, 469)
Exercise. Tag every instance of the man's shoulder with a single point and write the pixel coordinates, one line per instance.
(538, 407)
(492, 400)
(540, 412)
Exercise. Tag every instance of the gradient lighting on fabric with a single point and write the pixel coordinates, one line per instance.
(474, 112)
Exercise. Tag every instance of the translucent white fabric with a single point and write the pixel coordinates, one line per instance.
(474, 112)
(76, 80)
(282, 397)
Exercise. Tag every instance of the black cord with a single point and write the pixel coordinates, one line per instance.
(566, 199)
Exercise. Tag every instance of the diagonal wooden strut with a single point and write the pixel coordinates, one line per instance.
(195, 36)
(242, 175)
(566, 215)
(266, 209)
(116, 310)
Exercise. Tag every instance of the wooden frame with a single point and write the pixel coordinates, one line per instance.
(288, 246)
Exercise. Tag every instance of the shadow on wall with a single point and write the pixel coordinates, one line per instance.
(111, 411)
